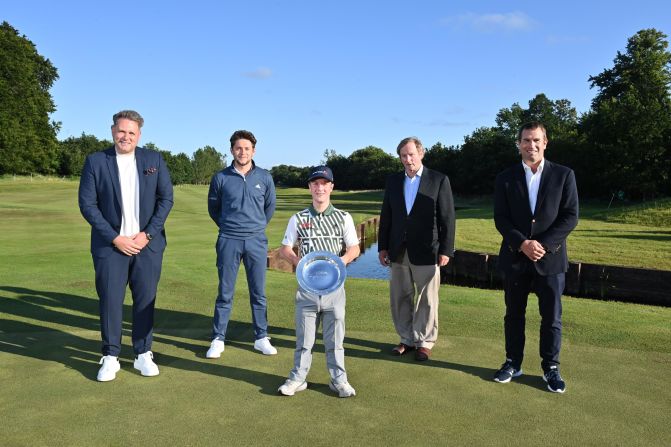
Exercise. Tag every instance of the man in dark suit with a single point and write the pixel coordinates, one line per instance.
(125, 193)
(416, 238)
(535, 209)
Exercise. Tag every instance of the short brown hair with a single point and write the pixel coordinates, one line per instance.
(404, 141)
(531, 126)
(243, 135)
(129, 115)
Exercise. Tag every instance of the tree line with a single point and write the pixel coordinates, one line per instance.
(622, 145)
(197, 169)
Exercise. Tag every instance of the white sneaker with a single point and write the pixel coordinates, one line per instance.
(343, 389)
(291, 387)
(145, 364)
(216, 348)
(109, 369)
(263, 345)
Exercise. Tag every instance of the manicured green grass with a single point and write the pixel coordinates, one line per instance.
(615, 356)
(654, 213)
(633, 236)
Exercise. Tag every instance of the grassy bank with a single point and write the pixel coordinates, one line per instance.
(615, 356)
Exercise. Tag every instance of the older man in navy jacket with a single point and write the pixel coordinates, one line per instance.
(535, 209)
(125, 193)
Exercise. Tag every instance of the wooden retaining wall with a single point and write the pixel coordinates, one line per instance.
(607, 282)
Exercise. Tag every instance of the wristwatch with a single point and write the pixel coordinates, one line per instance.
(149, 236)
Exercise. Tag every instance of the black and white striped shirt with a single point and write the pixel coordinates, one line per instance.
(333, 231)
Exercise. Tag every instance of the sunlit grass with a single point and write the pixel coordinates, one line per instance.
(615, 356)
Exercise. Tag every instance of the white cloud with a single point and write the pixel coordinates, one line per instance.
(259, 73)
(508, 21)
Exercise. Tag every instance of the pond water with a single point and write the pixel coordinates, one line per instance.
(367, 265)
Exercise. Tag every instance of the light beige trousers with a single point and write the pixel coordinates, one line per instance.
(413, 296)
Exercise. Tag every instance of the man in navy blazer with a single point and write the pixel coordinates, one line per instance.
(535, 209)
(125, 193)
(416, 238)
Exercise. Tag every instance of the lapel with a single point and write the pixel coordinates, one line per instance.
(401, 194)
(521, 186)
(424, 187)
(114, 173)
(542, 188)
(141, 163)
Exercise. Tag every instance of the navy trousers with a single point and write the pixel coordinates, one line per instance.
(113, 273)
(549, 289)
(253, 253)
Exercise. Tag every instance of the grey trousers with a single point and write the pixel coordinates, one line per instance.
(310, 309)
(413, 294)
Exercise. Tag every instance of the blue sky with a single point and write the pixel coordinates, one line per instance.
(306, 76)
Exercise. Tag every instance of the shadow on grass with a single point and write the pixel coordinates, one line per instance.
(30, 340)
(42, 341)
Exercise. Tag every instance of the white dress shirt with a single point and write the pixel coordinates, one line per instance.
(410, 188)
(533, 182)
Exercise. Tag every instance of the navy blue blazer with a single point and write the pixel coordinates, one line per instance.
(556, 215)
(428, 231)
(100, 198)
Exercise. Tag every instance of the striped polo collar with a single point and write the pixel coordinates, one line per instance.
(327, 212)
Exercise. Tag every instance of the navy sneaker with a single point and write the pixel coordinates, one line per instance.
(507, 372)
(555, 383)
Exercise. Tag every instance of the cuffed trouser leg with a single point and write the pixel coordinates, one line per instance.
(145, 272)
(307, 322)
(254, 256)
(111, 274)
(333, 316)
(517, 287)
(415, 317)
(229, 252)
(549, 290)
(401, 299)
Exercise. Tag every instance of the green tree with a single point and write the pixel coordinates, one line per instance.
(365, 168)
(340, 167)
(368, 168)
(180, 167)
(559, 118)
(628, 129)
(206, 162)
(28, 141)
(74, 150)
(444, 159)
(486, 152)
(291, 176)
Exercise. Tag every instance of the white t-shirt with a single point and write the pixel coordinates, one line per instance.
(130, 194)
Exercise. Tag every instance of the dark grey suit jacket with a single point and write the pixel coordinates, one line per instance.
(428, 231)
(556, 215)
(100, 198)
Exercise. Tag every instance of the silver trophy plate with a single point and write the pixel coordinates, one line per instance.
(320, 272)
